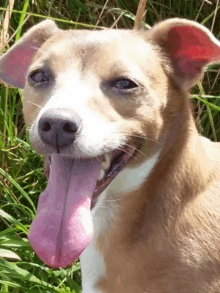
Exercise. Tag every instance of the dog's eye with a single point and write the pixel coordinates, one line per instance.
(39, 76)
(123, 84)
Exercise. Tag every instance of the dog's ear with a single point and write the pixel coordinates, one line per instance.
(189, 45)
(14, 63)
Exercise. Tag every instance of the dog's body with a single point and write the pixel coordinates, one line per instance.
(156, 225)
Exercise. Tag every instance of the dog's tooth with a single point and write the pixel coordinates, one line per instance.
(106, 162)
(101, 174)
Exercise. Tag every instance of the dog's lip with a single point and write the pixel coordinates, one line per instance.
(119, 159)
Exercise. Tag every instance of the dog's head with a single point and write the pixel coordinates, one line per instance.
(91, 99)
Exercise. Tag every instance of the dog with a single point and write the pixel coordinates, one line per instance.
(133, 188)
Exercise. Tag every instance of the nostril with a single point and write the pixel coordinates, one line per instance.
(70, 128)
(58, 127)
(46, 126)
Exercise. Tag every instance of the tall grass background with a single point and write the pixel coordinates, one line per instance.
(21, 172)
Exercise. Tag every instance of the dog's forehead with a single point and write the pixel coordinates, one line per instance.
(99, 39)
(95, 48)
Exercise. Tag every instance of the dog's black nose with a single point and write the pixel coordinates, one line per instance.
(58, 127)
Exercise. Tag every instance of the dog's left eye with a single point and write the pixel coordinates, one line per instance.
(123, 84)
(39, 76)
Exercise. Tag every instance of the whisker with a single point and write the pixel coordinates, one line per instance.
(122, 149)
(39, 49)
(35, 104)
(136, 149)
(113, 200)
(139, 136)
(98, 159)
(32, 125)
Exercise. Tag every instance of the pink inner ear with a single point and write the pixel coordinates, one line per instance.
(190, 48)
(16, 65)
(191, 43)
(19, 62)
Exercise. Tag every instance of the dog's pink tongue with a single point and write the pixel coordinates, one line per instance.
(63, 228)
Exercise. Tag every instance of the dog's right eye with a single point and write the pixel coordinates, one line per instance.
(39, 76)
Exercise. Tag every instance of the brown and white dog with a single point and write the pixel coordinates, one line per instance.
(133, 188)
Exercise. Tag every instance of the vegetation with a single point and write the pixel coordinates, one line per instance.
(21, 172)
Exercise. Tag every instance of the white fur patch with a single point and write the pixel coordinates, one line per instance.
(92, 264)
(93, 268)
(130, 179)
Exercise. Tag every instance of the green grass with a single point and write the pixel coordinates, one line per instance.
(21, 171)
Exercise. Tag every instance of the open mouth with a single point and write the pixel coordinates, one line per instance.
(63, 227)
(112, 164)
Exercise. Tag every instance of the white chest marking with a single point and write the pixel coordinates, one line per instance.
(93, 268)
(130, 179)
(92, 264)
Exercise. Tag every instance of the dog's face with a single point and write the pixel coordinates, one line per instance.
(110, 88)
(91, 100)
